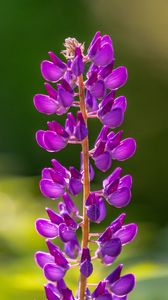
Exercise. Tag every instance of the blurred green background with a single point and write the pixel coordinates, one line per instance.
(29, 29)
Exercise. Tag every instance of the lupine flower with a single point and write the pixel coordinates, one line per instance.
(115, 236)
(114, 287)
(53, 70)
(86, 267)
(117, 190)
(96, 209)
(92, 91)
(70, 206)
(72, 248)
(57, 179)
(58, 291)
(109, 146)
(101, 50)
(57, 101)
(111, 111)
(63, 226)
(120, 286)
(56, 137)
(54, 264)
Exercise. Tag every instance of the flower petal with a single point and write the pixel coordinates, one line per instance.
(126, 181)
(104, 56)
(115, 275)
(50, 189)
(120, 102)
(120, 198)
(113, 118)
(45, 104)
(72, 249)
(124, 285)
(111, 247)
(103, 162)
(77, 64)
(97, 89)
(70, 205)
(64, 97)
(66, 234)
(102, 209)
(86, 268)
(53, 142)
(127, 233)
(46, 228)
(93, 212)
(40, 138)
(124, 150)
(75, 186)
(80, 130)
(54, 272)
(54, 217)
(52, 293)
(116, 79)
(43, 258)
(112, 177)
(60, 260)
(50, 71)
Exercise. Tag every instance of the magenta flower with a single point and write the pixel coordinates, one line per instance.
(87, 82)
(53, 70)
(113, 238)
(109, 146)
(114, 287)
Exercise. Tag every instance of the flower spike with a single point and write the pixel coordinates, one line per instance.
(91, 91)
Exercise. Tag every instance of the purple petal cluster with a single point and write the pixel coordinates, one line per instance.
(113, 238)
(90, 76)
(110, 146)
(114, 286)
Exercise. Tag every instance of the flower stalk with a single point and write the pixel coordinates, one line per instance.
(86, 184)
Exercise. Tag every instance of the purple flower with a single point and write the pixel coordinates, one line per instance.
(51, 291)
(54, 264)
(114, 286)
(70, 206)
(120, 286)
(95, 86)
(78, 65)
(111, 111)
(56, 137)
(46, 228)
(57, 101)
(96, 209)
(91, 102)
(113, 238)
(116, 79)
(53, 70)
(57, 179)
(109, 146)
(63, 226)
(72, 248)
(101, 50)
(86, 267)
(101, 292)
(117, 190)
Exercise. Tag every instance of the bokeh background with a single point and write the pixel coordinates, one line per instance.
(28, 30)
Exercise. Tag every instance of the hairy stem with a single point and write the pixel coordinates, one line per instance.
(86, 185)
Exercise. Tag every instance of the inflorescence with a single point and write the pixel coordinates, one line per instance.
(93, 97)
